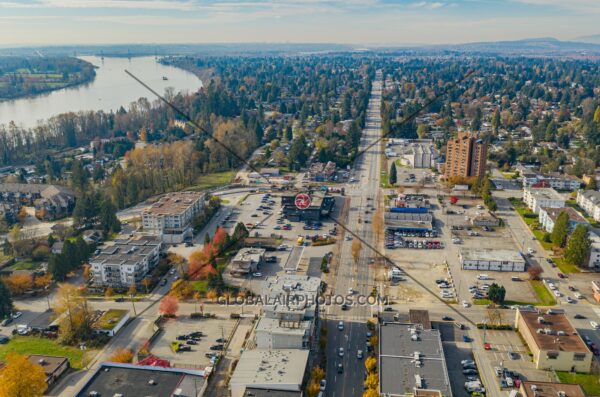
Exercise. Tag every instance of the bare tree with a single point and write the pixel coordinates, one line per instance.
(356, 248)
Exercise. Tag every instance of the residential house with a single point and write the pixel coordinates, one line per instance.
(589, 201)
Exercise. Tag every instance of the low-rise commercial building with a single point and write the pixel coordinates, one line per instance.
(589, 201)
(492, 260)
(272, 333)
(550, 389)
(125, 262)
(109, 322)
(411, 361)
(536, 198)
(554, 343)
(115, 379)
(319, 207)
(485, 220)
(171, 217)
(548, 216)
(270, 369)
(422, 155)
(247, 260)
(291, 297)
(54, 366)
(408, 222)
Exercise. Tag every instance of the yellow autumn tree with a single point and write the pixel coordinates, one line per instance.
(21, 378)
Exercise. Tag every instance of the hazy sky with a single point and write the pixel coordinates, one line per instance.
(25, 22)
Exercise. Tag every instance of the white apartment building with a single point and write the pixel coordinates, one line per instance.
(589, 201)
(555, 181)
(536, 198)
(126, 262)
(548, 216)
(594, 260)
(171, 217)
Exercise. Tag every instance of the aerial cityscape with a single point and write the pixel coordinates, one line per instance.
(299, 198)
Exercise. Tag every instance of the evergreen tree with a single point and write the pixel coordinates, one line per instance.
(393, 174)
(58, 267)
(496, 121)
(79, 176)
(6, 303)
(560, 230)
(108, 217)
(578, 247)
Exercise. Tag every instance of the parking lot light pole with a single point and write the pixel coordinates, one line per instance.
(133, 304)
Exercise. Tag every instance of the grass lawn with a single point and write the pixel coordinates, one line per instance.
(589, 382)
(565, 267)
(544, 295)
(27, 345)
(200, 286)
(26, 265)
(539, 234)
(213, 180)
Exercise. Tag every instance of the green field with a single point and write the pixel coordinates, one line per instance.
(544, 295)
(565, 267)
(213, 180)
(26, 265)
(201, 286)
(589, 382)
(27, 345)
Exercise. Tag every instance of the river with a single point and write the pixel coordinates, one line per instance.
(111, 89)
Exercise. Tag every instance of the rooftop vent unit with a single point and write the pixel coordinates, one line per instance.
(178, 392)
(534, 387)
(561, 333)
(540, 320)
(547, 331)
(540, 331)
(561, 393)
(418, 382)
(151, 382)
(41, 361)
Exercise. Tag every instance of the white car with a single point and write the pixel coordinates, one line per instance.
(465, 304)
(594, 324)
(467, 362)
(359, 354)
(16, 315)
(257, 274)
(578, 295)
(323, 385)
(341, 325)
(341, 352)
(350, 291)
(530, 250)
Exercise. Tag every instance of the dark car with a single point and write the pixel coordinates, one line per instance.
(163, 282)
(191, 342)
(184, 348)
(211, 355)
(513, 355)
(345, 306)
(196, 334)
(560, 275)
(120, 300)
(447, 318)
(4, 339)
(182, 337)
(340, 368)
(470, 371)
(579, 316)
(221, 340)
(216, 347)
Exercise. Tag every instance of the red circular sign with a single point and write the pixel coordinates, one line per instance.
(302, 201)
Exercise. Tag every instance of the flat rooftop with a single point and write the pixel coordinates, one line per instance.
(255, 392)
(410, 358)
(545, 193)
(127, 252)
(49, 363)
(132, 380)
(551, 389)
(266, 367)
(174, 203)
(568, 339)
(276, 326)
(468, 254)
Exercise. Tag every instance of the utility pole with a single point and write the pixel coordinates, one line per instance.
(133, 304)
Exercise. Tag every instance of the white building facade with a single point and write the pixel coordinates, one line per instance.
(492, 260)
(171, 217)
(589, 201)
(535, 198)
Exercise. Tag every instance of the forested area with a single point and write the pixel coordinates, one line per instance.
(22, 76)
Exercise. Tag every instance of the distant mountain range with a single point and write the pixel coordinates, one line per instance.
(595, 39)
(588, 46)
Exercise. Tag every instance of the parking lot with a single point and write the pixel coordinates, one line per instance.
(261, 213)
(212, 329)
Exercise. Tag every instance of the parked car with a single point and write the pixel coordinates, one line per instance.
(359, 354)
(216, 347)
(513, 355)
(221, 340)
(16, 315)
(579, 316)
(184, 348)
(341, 325)
(4, 339)
(341, 352)
(447, 318)
(470, 371)
(323, 385)
(6, 321)
(191, 342)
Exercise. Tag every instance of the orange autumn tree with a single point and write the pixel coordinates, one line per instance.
(21, 378)
(219, 239)
(197, 260)
(122, 355)
(169, 306)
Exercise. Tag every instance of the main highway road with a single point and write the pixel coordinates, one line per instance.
(355, 274)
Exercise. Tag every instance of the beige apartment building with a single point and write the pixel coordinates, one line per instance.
(553, 341)
(171, 217)
(466, 156)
